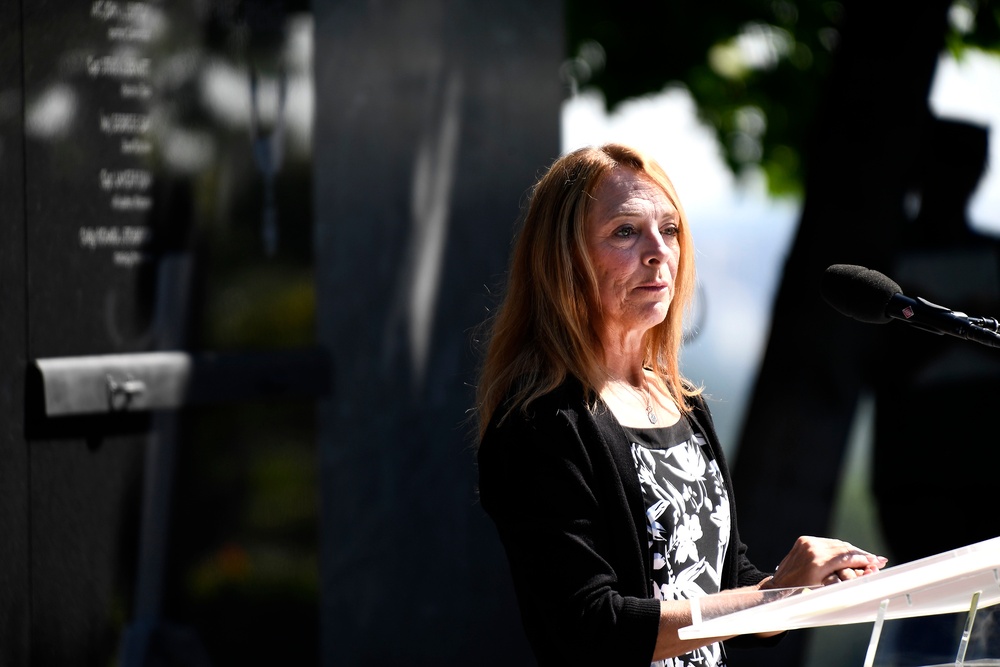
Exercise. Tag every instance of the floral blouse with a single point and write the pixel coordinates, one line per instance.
(687, 520)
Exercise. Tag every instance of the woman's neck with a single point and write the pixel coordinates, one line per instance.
(623, 360)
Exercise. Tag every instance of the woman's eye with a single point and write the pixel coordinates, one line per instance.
(669, 230)
(625, 232)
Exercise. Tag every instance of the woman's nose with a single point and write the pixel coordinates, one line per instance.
(655, 248)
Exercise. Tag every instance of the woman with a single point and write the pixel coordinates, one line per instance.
(598, 463)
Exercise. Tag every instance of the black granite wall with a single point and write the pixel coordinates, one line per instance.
(432, 121)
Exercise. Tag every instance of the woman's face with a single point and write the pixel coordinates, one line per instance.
(631, 231)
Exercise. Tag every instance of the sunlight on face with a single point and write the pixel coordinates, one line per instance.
(631, 231)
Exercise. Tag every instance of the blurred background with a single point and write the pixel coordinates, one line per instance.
(312, 203)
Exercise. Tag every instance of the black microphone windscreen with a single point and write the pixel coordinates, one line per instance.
(858, 293)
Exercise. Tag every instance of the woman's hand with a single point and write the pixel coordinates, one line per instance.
(819, 561)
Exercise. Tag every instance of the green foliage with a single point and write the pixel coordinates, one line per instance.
(755, 68)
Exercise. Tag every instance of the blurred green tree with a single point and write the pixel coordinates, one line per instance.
(755, 68)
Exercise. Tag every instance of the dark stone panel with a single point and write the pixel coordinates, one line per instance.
(88, 187)
(141, 203)
(14, 525)
(433, 119)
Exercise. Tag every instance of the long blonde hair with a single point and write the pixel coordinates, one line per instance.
(546, 327)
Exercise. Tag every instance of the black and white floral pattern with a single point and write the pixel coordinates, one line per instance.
(687, 519)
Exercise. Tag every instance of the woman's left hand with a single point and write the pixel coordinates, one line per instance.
(815, 561)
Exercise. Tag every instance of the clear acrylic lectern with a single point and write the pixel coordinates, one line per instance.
(964, 580)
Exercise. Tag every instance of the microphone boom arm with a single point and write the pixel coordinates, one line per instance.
(923, 314)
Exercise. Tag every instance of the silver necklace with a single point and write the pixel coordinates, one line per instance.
(646, 397)
(649, 403)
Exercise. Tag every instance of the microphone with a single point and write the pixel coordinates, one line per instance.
(868, 296)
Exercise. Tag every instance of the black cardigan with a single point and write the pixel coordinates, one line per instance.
(561, 486)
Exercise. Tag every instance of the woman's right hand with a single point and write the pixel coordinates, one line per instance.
(819, 561)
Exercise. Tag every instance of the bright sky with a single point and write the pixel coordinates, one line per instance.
(970, 90)
(741, 235)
